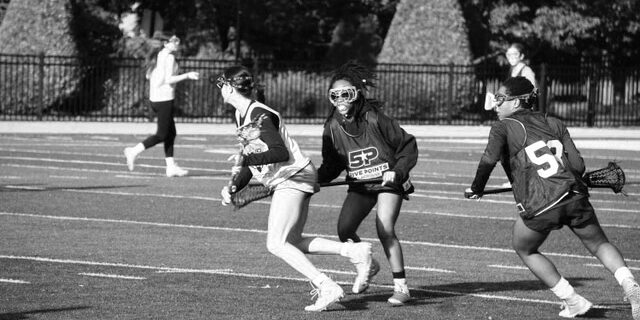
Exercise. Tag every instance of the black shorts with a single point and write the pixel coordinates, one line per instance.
(574, 211)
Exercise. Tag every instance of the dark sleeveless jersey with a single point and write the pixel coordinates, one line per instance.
(537, 164)
(366, 155)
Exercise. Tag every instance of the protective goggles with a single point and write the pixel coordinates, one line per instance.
(492, 101)
(221, 81)
(343, 95)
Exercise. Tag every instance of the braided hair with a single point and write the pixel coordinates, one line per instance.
(241, 78)
(520, 86)
(360, 77)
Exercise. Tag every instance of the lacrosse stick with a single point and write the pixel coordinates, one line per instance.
(250, 193)
(246, 133)
(255, 191)
(351, 182)
(611, 176)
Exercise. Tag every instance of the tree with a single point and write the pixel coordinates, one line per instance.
(33, 27)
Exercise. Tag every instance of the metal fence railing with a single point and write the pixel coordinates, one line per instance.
(40, 87)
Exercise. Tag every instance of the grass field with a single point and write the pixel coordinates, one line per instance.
(81, 237)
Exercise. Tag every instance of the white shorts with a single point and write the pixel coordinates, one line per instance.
(304, 180)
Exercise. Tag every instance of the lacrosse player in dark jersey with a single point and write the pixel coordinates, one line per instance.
(545, 170)
(366, 143)
(274, 159)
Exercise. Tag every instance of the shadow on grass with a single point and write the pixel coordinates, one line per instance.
(25, 314)
(463, 288)
(360, 301)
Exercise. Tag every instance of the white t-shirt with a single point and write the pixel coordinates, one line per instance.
(522, 69)
(159, 87)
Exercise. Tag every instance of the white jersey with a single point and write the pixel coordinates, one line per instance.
(166, 67)
(272, 174)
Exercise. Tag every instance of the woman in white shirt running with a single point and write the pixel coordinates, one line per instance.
(162, 72)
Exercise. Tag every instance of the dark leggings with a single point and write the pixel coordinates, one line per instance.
(166, 131)
(355, 209)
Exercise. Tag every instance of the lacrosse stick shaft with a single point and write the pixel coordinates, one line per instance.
(498, 190)
(353, 182)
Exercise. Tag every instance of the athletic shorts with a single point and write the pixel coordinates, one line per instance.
(304, 180)
(574, 211)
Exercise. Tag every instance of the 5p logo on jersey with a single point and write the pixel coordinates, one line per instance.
(362, 157)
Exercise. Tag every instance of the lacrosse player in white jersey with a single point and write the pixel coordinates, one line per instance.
(274, 159)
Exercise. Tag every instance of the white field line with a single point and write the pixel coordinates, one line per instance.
(68, 177)
(113, 276)
(114, 264)
(417, 182)
(499, 266)
(601, 266)
(229, 151)
(420, 195)
(430, 269)
(188, 226)
(14, 281)
(98, 163)
(462, 185)
(419, 212)
(261, 276)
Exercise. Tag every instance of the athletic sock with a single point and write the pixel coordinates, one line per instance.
(319, 279)
(170, 161)
(138, 148)
(563, 289)
(622, 274)
(400, 281)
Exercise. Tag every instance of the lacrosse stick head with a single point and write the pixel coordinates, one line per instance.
(612, 176)
(251, 130)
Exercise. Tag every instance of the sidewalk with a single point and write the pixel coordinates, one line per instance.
(627, 138)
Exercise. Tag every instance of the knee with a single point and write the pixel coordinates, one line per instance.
(522, 249)
(344, 234)
(275, 247)
(386, 233)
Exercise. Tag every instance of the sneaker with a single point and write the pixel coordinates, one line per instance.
(575, 306)
(400, 295)
(361, 283)
(632, 291)
(131, 155)
(328, 292)
(175, 171)
(360, 255)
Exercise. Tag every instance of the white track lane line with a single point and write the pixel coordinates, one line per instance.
(112, 276)
(14, 281)
(260, 276)
(499, 266)
(172, 225)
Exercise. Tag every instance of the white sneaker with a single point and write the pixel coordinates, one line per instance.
(632, 291)
(400, 295)
(131, 155)
(328, 292)
(575, 306)
(175, 171)
(361, 283)
(360, 255)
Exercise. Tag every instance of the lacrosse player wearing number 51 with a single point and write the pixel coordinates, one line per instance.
(545, 170)
(274, 159)
(360, 139)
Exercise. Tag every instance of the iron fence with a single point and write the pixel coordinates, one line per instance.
(40, 87)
